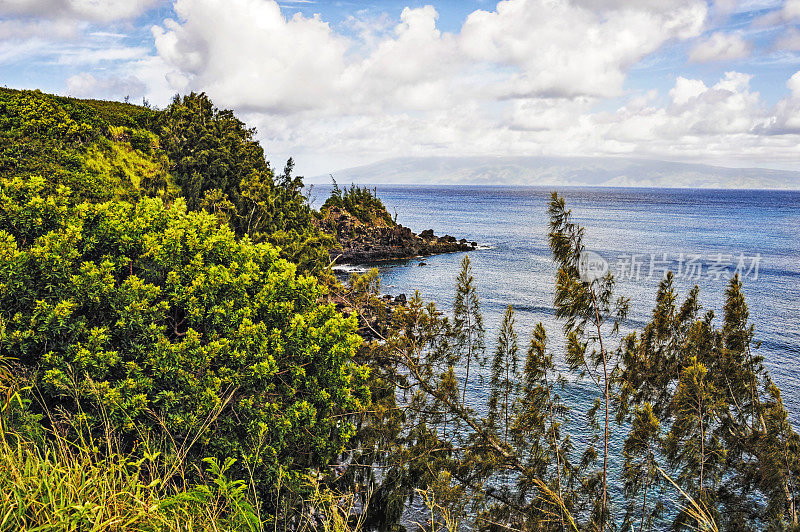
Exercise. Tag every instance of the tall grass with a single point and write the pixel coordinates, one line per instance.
(51, 483)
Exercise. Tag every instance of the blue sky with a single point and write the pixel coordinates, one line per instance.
(336, 83)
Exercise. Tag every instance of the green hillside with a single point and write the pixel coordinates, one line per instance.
(100, 150)
(147, 309)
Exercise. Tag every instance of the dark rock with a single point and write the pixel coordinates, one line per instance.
(423, 264)
(473, 244)
(401, 298)
(360, 243)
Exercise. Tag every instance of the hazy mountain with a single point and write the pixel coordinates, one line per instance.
(562, 171)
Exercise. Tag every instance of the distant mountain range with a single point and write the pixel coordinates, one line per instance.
(562, 171)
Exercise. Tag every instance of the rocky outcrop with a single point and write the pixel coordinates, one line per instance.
(381, 240)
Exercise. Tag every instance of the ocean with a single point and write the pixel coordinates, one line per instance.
(704, 236)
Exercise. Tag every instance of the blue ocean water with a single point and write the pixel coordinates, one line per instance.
(706, 234)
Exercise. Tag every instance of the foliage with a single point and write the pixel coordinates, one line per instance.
(221, 168)
(726, 436)
(87, 146)
(505, 369)
(165, 324)
(361, 202)
(164, 367)
(57, 484)
(210, 149)
(590, 315)
(467, 320)
(111, 150)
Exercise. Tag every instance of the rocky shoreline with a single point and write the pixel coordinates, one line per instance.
(361, 243)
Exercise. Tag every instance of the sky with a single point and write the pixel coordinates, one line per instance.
(335, 84)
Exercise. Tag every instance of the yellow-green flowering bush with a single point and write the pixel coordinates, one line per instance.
(157, 321)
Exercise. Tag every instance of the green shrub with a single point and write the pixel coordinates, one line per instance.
(82, 145)
(158, 322)
(361, 202)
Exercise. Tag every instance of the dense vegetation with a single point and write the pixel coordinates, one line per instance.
(128, 315)
(221, 169)
(101, 152)
(361, 202)
(172, 358)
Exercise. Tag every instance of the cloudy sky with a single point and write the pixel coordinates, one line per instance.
(338, 83)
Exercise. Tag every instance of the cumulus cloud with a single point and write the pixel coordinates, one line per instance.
(526, 77)
(784, 119)
(562, 49)
(722, 122)
(249, 55)
(791, 9)
(720, 46)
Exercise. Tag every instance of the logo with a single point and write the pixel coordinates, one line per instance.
(591, 266)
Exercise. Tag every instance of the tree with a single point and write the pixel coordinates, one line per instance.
(210, 149)
(505, 373)
(100, 150)
(779, 456)
(222, 169)
(467, 320)
(726, 441)
(640, 473)
(590, 315)
(539, 415)
(691, 444)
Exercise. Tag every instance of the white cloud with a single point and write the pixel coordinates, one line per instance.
(525, 78)
(18, 30)
(720, 46)
(725, 122)
(649, 5)
(248, 55)
(791, 9)
(83, 57)
(90, 10)
(529, 77)
(561, 49)
(85, 85)
(794, 84)
(784, 118)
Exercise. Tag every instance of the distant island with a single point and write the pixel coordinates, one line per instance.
(564, 171)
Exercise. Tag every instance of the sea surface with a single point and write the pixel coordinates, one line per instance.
(704, 236)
